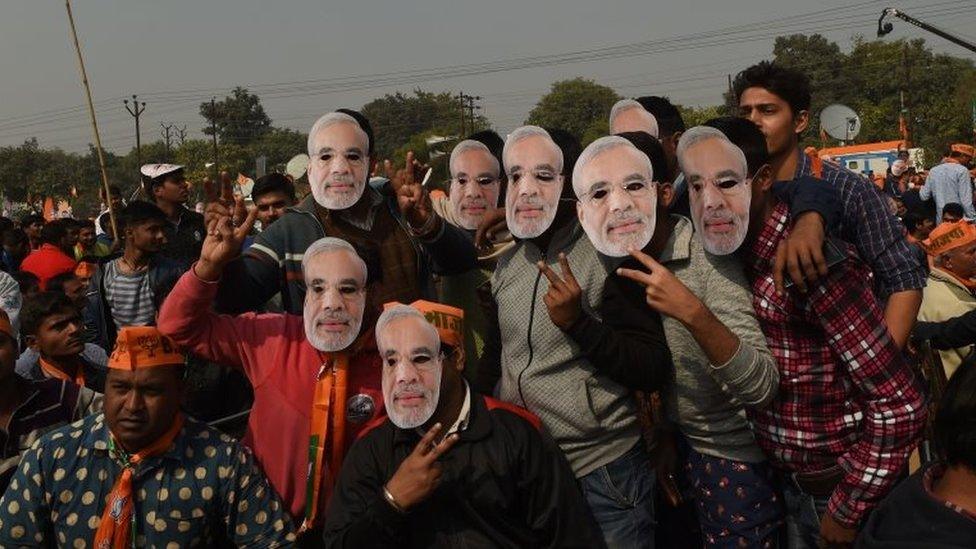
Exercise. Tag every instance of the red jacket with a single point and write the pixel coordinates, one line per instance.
(282, 367)
(47, 262)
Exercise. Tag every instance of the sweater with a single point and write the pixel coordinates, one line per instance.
(580, 382)
(706, 400)
(943, 298)
(282, 366)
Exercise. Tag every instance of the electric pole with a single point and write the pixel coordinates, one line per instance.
(460, 98)
(213, 129)
(165, 132)
(471, 108)
(182, 133)
(137, 109)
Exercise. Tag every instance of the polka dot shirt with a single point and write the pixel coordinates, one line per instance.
(204, 488)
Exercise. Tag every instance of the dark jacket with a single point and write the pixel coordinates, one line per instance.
(912, 518)
(949, 334)
(273, 262)
(504, 484)
(100, 328)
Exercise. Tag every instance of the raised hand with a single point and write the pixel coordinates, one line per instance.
(411, 196)
(223, 242)
(220, 200)
(662, 290)
(564, 296)
(420, 473)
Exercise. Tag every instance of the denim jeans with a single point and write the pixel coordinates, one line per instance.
(803, 512)
(620, 495)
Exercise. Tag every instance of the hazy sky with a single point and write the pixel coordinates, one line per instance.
(178, 53)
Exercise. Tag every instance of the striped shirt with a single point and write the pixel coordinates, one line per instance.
(129, 297)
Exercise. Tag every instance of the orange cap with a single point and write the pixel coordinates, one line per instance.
(448, 320)
(963, 148)
(5, 326)
(143, 347)
(85, 270)
(948, 236)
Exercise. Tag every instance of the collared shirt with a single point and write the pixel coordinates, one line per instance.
(48, 404)
(946, 183)
(184, 238)
(203, 483)
(867, 223)
(93, 363)
(846, 395)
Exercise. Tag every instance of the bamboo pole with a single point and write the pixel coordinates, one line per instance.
(94, 122)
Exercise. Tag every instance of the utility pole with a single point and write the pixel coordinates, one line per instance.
(165, 132)
(471, 108)
(460, 98)
(137, 109)
(182, 133)
(213, 128)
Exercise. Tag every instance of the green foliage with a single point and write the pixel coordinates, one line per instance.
(398, 118)
(240, 119)
(576, 105)
(696, 116)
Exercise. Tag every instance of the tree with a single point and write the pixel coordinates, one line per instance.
(240, 119)
(279, 145)
(575, 106)
(398, 118)
(696, 116)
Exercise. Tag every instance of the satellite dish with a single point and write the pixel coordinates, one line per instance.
(297, 165)
(840, 122)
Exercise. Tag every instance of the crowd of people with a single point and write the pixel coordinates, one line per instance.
(673, 337)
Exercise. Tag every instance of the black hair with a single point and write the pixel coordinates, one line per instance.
(105, 222)
(669, 120)
(653, 149)
(5, 225)
(789, 84)
(41, 306)
(113, 190)
(13, 237)
(54, 231)
(365, 125)
(273, 182)
(27, 220)
(27, 282)
(913, 220)
(56, 283)
(571, 148)
(745, 135)
(138, 212)
(955, 420)
(85, 224)
(954, 209)
(493, 141)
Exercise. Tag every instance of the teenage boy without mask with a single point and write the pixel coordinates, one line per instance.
(167, 187)
(777, 100)
(55, 333)
(849, 408)
(575, 364)
(128, 290)
(450, 467)
(272, 194)
(404, 241)
(722, 364)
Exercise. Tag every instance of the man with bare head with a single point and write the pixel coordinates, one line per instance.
(534, 165)
(475, 183)
(627, 115)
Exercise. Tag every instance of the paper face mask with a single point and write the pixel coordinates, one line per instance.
(617, 196)
(334, 301)
(719, 194)
(338, 165)
(474, 183)
(534, 165)
(412, 370)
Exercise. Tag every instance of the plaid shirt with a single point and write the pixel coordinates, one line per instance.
(878, 235)
(846, 395)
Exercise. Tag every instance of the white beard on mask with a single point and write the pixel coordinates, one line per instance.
(414, 417)
(722, 244)
(332, 200)
(331, 342)
(530, 228)
(618, 245)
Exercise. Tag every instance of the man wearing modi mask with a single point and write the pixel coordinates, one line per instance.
(316, 376)
(722, 364)
(393, 225)
(450, 467)
(140, 474)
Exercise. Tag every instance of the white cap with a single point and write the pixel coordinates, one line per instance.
(152, 171)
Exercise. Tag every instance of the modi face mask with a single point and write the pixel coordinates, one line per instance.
(617, 207)
(474, 183)
(335, 297)
(338, 165)
(534, 166)
(719, 191)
